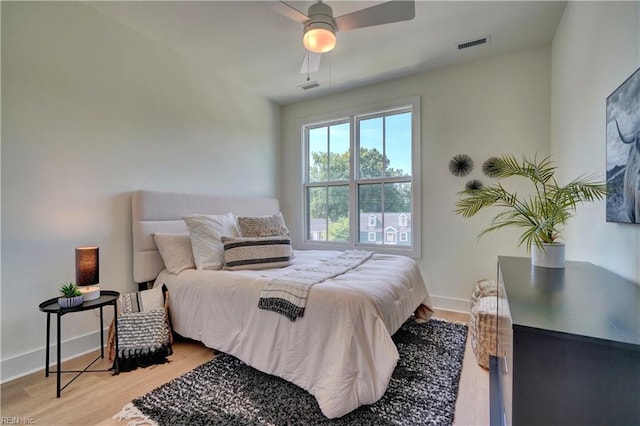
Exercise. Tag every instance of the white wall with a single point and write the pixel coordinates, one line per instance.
(90, 112)
(595, 48)
(484, 108)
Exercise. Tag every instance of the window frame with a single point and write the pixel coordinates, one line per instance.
(409, 104)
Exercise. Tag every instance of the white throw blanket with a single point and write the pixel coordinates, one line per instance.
(287, 295)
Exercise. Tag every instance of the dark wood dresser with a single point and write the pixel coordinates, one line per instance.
(568, 349)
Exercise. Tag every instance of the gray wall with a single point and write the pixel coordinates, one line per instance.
(91, 111)
(595, 49)
(484, 108)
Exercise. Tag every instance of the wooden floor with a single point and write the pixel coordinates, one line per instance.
(94, 398)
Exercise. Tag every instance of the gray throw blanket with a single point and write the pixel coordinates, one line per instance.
(143, 339)
(287, 295)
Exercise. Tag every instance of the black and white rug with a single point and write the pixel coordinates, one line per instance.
(225, 391)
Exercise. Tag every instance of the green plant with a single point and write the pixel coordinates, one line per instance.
(541, 214)
(69, 290)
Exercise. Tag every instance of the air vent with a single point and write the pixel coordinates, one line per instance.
(309, 85)
(475, 42)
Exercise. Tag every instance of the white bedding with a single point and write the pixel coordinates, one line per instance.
(340, 351)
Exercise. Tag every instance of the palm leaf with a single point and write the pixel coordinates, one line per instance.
(539, 215)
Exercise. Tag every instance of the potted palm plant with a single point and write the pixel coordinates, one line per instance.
(540, 214)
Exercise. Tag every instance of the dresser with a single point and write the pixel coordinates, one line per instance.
(568, 349)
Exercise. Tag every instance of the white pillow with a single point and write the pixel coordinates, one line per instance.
(206, 234)
(175, 250)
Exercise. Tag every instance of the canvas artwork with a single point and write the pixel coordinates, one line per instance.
(623, 152)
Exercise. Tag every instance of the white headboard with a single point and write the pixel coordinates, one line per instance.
(154, 211)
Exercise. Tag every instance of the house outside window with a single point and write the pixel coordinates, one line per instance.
(390, 235)
(366, 162)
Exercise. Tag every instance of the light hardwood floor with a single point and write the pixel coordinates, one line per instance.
(94, 398)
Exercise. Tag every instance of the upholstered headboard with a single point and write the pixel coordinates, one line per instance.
(154, 211)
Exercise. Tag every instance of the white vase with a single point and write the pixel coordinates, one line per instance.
(550, 256)
(70, 302)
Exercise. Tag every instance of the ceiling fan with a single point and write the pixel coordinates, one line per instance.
(320, 27)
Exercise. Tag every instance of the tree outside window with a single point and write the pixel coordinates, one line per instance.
(378, 181)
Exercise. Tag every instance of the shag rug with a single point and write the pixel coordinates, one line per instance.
(225, 391)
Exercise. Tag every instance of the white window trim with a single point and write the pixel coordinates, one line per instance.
(370, 235)
(415, 249)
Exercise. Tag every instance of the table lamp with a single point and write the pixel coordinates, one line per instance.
(88, 272)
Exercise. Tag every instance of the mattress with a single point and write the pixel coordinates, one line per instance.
(340, 351)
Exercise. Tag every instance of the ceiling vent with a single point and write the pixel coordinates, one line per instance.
(475, 42)
(309, 85)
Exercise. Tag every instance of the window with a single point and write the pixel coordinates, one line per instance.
(366, 163)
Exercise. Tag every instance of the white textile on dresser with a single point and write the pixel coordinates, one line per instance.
(341, 351)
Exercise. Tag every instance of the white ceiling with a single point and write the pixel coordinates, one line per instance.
(251, 43)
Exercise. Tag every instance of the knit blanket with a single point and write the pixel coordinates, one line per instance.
(287, 295)
(143, 339)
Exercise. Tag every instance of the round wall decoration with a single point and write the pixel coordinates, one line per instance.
(460, 165)
(489, 167)
(473, 185)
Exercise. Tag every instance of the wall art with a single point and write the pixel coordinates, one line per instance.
(623, 152)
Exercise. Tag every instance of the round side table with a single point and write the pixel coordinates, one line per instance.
(107, 297)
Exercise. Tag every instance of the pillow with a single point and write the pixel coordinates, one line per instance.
(256, 252)
(206, 232)
(142, 301)
(262, 226)
(175, 250)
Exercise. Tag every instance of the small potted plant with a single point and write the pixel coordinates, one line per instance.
(540, 214)
(70, 296)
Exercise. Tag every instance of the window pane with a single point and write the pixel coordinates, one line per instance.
(318, 151)
(397, 213)
(371, 148)
(338, 214)
(317, 208)
(339, 152)
(370, 220)
(398, 144)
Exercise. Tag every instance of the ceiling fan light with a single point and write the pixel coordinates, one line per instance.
(319, 37)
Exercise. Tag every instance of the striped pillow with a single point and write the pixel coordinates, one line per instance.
(256, 253)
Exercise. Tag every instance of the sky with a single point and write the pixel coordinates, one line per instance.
(396, 143)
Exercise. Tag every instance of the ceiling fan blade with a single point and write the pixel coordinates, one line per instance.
(385, 13)
(288, 11)
(310, 63)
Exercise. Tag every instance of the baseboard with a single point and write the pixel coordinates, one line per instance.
(30, 362)
(451, 304)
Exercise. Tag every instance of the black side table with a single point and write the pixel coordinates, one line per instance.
(107, 297)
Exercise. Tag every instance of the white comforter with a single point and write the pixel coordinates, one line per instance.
(340, 351)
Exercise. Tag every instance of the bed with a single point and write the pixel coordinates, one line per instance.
(340, 351)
